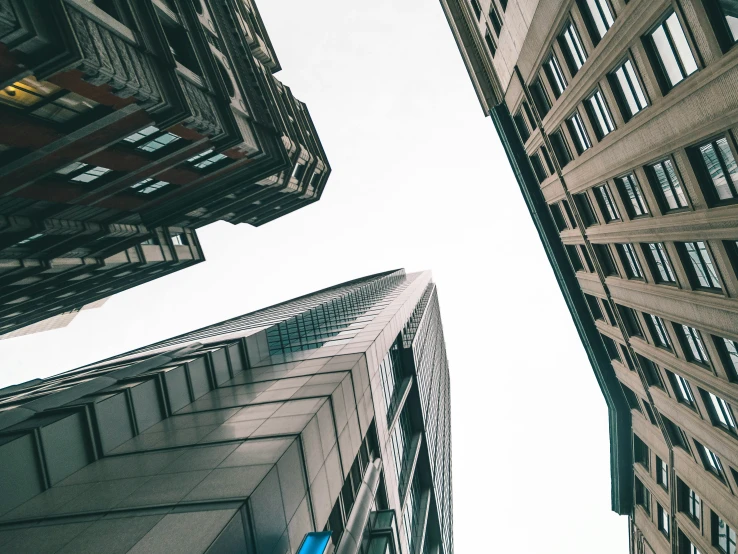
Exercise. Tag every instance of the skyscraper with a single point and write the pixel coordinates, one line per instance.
(54, 322)
(327, 412)
(619, 118)
(124, 127)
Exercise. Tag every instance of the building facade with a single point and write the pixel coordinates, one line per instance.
(329, 412)
(55, 322)
(619, 119)
(124, 127)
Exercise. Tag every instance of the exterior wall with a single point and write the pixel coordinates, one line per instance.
(216, 441)
(55, 322)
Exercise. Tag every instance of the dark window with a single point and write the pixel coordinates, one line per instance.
(660, 263)
(658, 331)
(503, 4)
(626, 358)
(577, 130)
(148, 186)
(630, 261)
(207, 161)
(632, 196)
(608, 311)
(540, 98)
(180, 43)
(676, 435)
(721, 413)
(490, 43)
(729, 354)
(151, 139)
(662, 473)
(632, 399)
(555, 75)
(494, 17)
(585, 209)
(665, 181)
(670, 50)
(594, 307)
(78, 172)
(607, 203)
(694, 347)
(630, 320)
(476, 8)
(573, 254)
(689, 501)
(682, 389)
(718, 165)
(724, 536)
(599, 114)
(710, 460)
(649, 412)
(663, 520)
(521, 125)
(604, 257)
(529, 115)
(560, 148)
(599, 17)
(611, 348)
(641, 454)
(117, 9)
(630, 94)
(547, 159)
(724, 17)
(587, 260)
(642, 496)
(572, 47)
(702, 272)
(535, 162)
(569, 214)
(558, 217)
(651, 372)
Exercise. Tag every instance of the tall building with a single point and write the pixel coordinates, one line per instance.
(125, 126)
(619, 119)
(55, 322)
(329, 412)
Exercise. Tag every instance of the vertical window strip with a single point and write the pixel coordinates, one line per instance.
(634, 194)
(673, 50)
(632, 258)
(661, 261)
(601, 114)
(630, 88)
(704, 270)
(722, 167)
(685, 391)
(577, 54)
(696, 346)
(662, 335)
(608, 203)
(723, 413)
(671, 188)
(558, 81)
(601, 16)
(731, 349)
(580, 132)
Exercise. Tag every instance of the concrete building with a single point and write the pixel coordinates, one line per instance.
(125, 126)
(619, 119)
(55, 322)
(329, 412)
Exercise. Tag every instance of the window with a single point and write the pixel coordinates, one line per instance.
(724, 16)
(180, 43)
(608, 311)
(540, 98)
(599, 17)
(147, 186)
(521, 125)
(610, 348)
(649, 412)
(494, 17)
(685, 545)
(151, 139)
(599, 113)
(579, 132)
(642, 496)
(631, 398)
(664, 179)
(529, 114)
(46, 100)
(651, 371)
(719, 163)
(558, 217)
(587, 260)
(573, 254)
(585, 209)
(630, 261)
(729, 353)
(721, 413)
(690, 502)
(476, 8)
(602, 252)
(663, 271)
(572, 47)
(29, 239)
(658, 331)
(535, 162)
(700, 268)
(663, 519)
(547, 159)
(670, 47)
(206, 160)
(682, 389)
(490, 43)
(179, 239)
(630, 320)
(607, 203)
(560, 148)
(694, 348)
(82, 173)
(710, 460)
(298, 171)
(503, 4)
(555, 75)
(594, 307)
(640, 452)
(632, 196)
(676, 435)
(724, 537)
(630, 94)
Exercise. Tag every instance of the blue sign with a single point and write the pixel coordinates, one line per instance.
(315, 543)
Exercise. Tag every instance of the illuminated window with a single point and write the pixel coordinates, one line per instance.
(626, 83)
(147, 186)
(599, 17)
(151, 139)
(45, 100)
(670, 46)
(82, 173)
(599, 113)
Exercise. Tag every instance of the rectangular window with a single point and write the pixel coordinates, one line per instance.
(665, 181)
(669, 46)
(207, 160)
(594, 307)
(540, 98)
(718, 162)
(658, 331)
(555, 75)
(560, 148)
(572, 47)
(573, 254)
(632, 399)
(608, 311)
(724, 536)
(676, 435)
(663, 518)
(610, 348)
(489, 41)
(649, 412)
(641, 453)
(495, 18)
(626, 358)
(547, 159)
(720, 412)
(558, 217)
(729, 354)
(630, 261)
(149, 185)
(476, 8)
(521, 126)
(602, 251)
(651, 371)
(702, 272)
(529, 114)
(82, 173)
(724, 16)
(694, 348)
(630, 320)
(662, 473)
(598, 16)
(47, 101)
(660, 263)
(630, 93)
(689, 501)
(710, 460)
(682, 390)
(586, 212)
(642, 496)
(587, 260)
(632, 196)
(579, 132)
(607, 203)
(535, 162)
(599, 114)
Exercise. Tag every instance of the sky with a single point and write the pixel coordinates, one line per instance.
(420, 181)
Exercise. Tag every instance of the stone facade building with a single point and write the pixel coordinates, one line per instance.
(124, 127)
(329, 412)
(619, 119)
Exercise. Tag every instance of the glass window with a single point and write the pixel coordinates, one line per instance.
(626, 83)
(602, 251)
(558, 217)
(664, 272)
(673, 51)
(666, 182)
(677, 436)
(599, 113)
(495, 18)
(722, 413)
(147, 186)
(662, 473)
(659, 332)
(476, 8)
(630, 319)
(607, 203)
(682, 389)
(694, 505)
(540, 98)
(82, 173)
(703, 272)
(725, 537)
(724, 16)
(521, 125)
(641, 454)
(710, 460)
(555, 75)
(490, 43)
(729, 351)
(574, 258)
(586, 212)
(720, 164)
(549, 162)
(579, 132)
(694, 347)
(535, 161)
(643, 495)
(571, 45)
(561, 150)
(594, 307)
(632, 195)
(600, 17)
(630, 261)
(663, 517)
(529, 115)
(45, 100)
(204, 159)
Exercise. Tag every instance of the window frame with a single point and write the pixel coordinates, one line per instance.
(720, 25)
(555, 75)
(663, 520)
(599, 115)
(586, 211)
(639, 94)
(704, 176)
(579, 133)
(609, 268)
(693, 256)
(730, 534)
(659, 332)
(727, 357)
(682, 390)
(631, 193)
(721, 413)
(606, 200)
(693, 345)
(629, 258)
(589, 18)
(541, 101)
(568, 39)
(662, 473)
(165, 148)
(657, 62)
(660, 263)
(658, 187)
(711, 461)
(561, 147)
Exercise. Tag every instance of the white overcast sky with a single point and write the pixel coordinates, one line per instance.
(419, 181)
